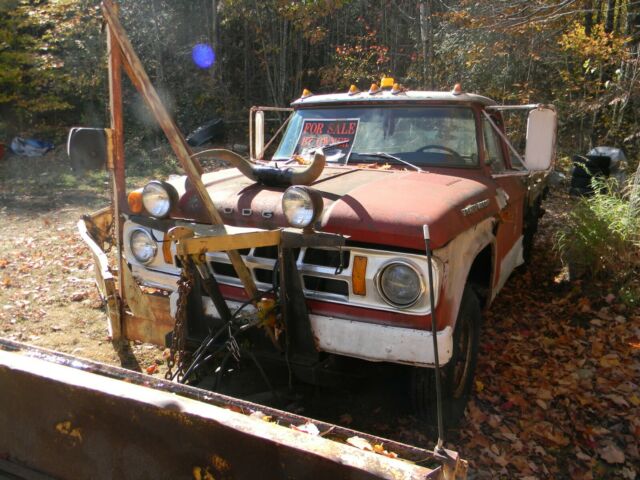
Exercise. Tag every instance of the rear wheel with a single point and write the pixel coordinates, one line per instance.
(457, 375)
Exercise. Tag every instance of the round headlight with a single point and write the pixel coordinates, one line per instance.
(301, 205)
(400, 284)
(158, 198)
(143, 247)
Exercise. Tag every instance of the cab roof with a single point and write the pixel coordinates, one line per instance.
(386, 95)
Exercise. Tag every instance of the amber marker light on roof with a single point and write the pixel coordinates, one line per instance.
(134, 199)
(359, 275)
(374, 89)
(396, 89)
(353, 90)
(386, 82)
(306, 93)
(457, 89)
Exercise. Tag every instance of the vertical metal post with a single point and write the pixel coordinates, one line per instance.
(434, 333)
(115, 165)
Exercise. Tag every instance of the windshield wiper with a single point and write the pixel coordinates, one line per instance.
(334, 145)
(384, 155)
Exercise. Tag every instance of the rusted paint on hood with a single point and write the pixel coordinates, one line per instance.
(383, 207)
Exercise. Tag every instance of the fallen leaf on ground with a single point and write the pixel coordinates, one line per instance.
(611, 454)
(79, 296)
(610, 360)
(617, 399)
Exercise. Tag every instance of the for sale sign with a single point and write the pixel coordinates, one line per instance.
(336, 136)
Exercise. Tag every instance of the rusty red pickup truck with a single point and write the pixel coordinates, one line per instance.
(362, 172)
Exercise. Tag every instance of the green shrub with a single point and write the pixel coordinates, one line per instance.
(602, 234)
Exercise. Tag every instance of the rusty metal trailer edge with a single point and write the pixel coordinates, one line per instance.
(66, 417)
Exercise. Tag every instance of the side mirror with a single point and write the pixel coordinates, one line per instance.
(259, 134)
(87, 148)
(540, 151)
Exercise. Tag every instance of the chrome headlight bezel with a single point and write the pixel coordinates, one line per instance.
(144, 260)
(387, 297)
(159, 198)
(302, 206)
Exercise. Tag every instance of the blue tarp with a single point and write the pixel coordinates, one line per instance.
(30, 147)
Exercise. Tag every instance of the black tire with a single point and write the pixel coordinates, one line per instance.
(457, 375)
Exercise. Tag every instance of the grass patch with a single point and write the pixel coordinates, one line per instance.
(601, 238)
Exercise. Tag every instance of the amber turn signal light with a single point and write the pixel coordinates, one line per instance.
(359, 275)
(135, 201)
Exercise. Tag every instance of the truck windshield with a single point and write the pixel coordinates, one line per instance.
(422, 136)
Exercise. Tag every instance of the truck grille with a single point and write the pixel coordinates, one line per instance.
(323, 276)
(325, 273)
(318, 267)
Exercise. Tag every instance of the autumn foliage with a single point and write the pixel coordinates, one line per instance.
(581, 56)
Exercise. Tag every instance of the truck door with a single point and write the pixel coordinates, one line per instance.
(511, 185)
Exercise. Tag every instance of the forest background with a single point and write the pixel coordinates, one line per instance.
(580, 55)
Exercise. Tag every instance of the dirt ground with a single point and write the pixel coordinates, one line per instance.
(556, 392)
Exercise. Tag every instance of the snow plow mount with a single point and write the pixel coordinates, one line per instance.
(281, 312)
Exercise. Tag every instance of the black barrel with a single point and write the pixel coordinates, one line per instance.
(585, 168)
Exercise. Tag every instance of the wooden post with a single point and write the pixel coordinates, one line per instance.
(115, 141)
(192, 168)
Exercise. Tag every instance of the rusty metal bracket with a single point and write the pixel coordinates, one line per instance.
(197, 245)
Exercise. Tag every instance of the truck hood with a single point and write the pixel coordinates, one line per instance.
(373, 206)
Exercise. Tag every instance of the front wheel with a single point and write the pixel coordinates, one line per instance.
(457, 375)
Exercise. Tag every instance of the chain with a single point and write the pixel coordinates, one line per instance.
(232, 346)
(185, 284)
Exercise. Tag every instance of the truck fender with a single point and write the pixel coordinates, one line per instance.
(458, 257)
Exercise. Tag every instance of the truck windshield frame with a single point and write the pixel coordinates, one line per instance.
(431, 136)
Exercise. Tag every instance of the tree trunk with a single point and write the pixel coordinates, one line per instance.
(245, 63)
(588, 18)
(426, 38)
(611, 10)
(282, 71)
(215, 26)
(157, 44)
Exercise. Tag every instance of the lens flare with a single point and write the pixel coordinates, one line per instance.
(203, 55)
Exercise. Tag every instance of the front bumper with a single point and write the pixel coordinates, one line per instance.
(367, 341)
